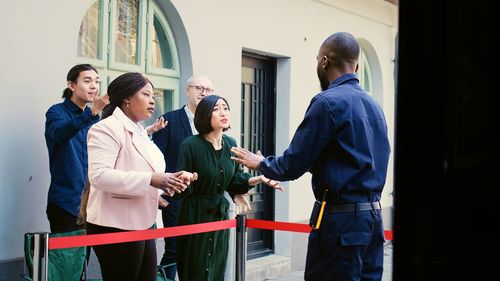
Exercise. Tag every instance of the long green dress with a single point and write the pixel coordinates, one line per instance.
(203, 256)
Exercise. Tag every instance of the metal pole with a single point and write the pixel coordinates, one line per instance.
(241, 246)
(40, 256)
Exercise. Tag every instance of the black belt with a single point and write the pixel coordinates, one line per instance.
(348, 208)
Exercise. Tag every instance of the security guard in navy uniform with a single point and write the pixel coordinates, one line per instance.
(343, 141)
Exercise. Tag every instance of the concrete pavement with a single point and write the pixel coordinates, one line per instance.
(292, 276)
(387, 276)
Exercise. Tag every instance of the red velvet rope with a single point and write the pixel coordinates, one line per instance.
(129, 236)
(275, 225)
(294, 227)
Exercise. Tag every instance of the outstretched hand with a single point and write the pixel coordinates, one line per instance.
(246, 158)
(272, 183)
(158, 125)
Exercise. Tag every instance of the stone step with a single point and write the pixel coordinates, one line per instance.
(292, 276)
(267, 267)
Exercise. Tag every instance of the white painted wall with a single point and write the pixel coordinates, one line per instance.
(291, 31)
(39, 47)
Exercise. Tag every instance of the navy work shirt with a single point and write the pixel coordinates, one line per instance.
(66, 128)
(342, 141)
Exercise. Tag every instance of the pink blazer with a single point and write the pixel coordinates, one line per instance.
(122, 160)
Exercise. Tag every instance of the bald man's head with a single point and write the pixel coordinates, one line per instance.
(338, 55)
(198, 86)
(342, 49)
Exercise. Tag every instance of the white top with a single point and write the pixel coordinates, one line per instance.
(190, 116)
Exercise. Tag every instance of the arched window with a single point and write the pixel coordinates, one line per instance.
(369, 71)
(364, 73)
(118, 36)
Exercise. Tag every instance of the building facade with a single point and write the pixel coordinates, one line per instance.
(261, 56)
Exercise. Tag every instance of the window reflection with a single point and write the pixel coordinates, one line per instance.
(88, 36)
(161, 50)
(366, 80)
(163, 104)
(126, 31)
(125, 20)
(364, 73)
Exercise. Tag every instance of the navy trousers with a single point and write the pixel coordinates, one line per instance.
(347, 247)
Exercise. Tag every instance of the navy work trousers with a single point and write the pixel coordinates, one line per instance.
(347, 247)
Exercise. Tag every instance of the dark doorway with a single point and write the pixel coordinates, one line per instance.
(446, 179)
(258, 104)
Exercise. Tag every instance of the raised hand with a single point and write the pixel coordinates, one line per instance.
(156, 126)
(98, 103)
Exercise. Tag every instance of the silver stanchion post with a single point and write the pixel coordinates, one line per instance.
(241, 246)
(40, 256)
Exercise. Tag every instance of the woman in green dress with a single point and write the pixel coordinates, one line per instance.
(203, 256)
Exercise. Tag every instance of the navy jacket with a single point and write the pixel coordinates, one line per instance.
(342, 141)
(66, 128)
(169, 139)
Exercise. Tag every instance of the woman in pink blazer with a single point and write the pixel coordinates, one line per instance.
(126, 176)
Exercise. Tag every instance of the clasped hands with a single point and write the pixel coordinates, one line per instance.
(172, 183)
